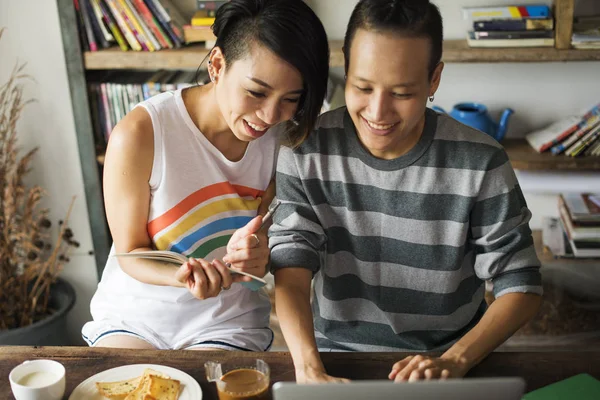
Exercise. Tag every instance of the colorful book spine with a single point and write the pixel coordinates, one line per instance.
(127, 32)
(96, 25)
(151, 22)
(109, 21)
(509, 12)
(135, 26)
(526, 24)
(591, 124)
(577, 148)
(152, 5)
(88, 26)
(98, 13)
(141, 25)
(137, 34)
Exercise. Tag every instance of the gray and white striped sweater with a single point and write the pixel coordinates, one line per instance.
(400, 249)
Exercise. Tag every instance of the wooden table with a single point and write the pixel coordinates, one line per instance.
(538, 368)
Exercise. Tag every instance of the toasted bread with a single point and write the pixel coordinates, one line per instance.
(118, 390)
(163, 389)
(133, 388)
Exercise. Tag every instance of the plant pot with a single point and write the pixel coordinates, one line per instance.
(50, 331)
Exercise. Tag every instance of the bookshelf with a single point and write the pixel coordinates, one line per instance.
(455, 51)
(524, 157)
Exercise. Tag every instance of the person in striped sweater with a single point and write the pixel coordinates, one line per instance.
(398, 216)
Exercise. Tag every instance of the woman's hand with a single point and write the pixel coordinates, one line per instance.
(414, 368)
(248, 251)
(203, 279)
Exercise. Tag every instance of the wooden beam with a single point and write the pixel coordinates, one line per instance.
(563, 14)
(85, 136)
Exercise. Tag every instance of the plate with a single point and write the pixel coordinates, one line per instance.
(86, 390)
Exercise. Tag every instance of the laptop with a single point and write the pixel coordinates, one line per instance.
(451, 389)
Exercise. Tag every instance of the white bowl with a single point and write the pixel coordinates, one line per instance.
(38, 380)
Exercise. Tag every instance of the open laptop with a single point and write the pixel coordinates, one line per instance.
(451, 389)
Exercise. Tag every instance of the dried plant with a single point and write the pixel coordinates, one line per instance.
(29, 263)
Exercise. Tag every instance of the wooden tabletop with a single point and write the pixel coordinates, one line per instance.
(538, 368)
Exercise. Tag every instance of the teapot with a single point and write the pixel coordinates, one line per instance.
(476, 115)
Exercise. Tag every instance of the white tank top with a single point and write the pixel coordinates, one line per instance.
(198, 198)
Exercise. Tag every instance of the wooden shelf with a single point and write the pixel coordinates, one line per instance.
(458, 51)
(523, 157)
(455, 51)
(188, 57)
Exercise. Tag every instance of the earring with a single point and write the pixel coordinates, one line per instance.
(431, 98)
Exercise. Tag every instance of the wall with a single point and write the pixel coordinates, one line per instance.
(33, 36)
(538, 92)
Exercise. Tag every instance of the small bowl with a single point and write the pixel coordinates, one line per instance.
(38, 380)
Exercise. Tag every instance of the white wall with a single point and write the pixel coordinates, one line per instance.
(538, 92)
(48, 123)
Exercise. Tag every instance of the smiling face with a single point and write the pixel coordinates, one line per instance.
(256, 92)
(387, 87)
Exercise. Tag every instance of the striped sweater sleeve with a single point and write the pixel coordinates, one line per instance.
(500, 232)
(296, 237)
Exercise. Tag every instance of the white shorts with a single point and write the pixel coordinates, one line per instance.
(237, 319)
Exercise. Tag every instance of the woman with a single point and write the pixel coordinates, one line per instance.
(185, 169)
(400, 215)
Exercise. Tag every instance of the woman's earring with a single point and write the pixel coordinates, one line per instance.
(431, 98)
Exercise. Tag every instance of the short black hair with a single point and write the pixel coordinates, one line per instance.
(409, 18)
(291, 30)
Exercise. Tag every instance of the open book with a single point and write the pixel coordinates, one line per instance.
(178, 259)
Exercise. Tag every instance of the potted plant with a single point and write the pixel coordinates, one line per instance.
(33, 300)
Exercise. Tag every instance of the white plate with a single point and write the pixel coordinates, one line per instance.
(86, 390)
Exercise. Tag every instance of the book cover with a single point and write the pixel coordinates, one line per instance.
(175, 258)
(590, 125)
(497, 43)
(525, 24)
(580, 387)
(580, 209)
(580, 145)
(555, 133)
(507, 12)
(200, 19)
(491, 35)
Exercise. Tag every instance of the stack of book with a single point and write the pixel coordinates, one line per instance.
(114, 93)
(586, 32)
(577, 231)
(199, 29)
(572, 136)
(510, 26)
(140, 25)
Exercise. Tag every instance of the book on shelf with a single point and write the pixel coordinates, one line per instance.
(553, 134)
(506, 12)
(524, 24)
(178, 259)
(590, 125)
(472, 41)
(114, 93)
(200, 18)
(582, 208)
(138, 25)
(582, 144)
(491, 35)
(194, 34)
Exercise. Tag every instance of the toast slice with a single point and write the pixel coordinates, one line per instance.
(118, 390)
(163, 389)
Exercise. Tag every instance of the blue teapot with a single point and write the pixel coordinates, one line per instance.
(476, 116)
